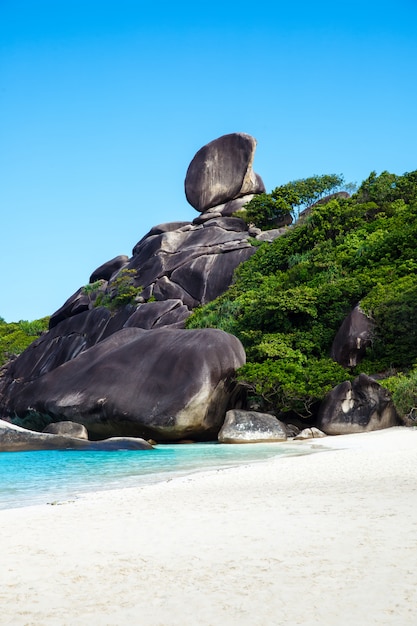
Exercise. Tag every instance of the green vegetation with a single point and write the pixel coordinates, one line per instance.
(120, 292)
(267, 210)
(289, 299)
(17, 336)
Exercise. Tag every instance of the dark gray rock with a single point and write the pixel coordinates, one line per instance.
(16, 439)
(227, 209)
(165, 289)
(222, 171)
(353, 337)
(158, 314)
(164, 384)
(356, 407)
(106, 271)
(159, 229)
(67, 429)
(251, 427)
(79, 302)
(61, 344)
(193, 264)
(208, 276)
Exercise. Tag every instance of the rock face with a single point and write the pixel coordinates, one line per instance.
(164, 384)
(352, 339)
(132, 369)
(16, 439)
(251, 427)
(193, 263)
(356, 407)
(222, 171)
(106, 271)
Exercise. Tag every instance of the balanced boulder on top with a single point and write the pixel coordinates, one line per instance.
(222, 171)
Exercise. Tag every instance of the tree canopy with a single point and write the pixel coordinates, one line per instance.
(290, 298)
(267, 210)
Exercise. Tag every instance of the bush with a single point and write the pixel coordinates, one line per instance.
(15, 337)
(120, 292)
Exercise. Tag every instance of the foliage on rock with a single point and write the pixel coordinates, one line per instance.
(266, 211)
(289, 299)
(120, 292)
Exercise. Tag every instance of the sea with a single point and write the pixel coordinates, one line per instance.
(55, 476)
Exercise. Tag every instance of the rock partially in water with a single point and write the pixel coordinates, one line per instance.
(16, 439)
(165, 384)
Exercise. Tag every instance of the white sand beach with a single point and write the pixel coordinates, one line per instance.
(328, 538)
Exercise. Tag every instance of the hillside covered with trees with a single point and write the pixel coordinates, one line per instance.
(290, 298)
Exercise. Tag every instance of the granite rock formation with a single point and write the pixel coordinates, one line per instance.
(16, 439)
(176, 383)
(355, 407)
(352, 339)
(251, 427)
(222, 171)
(165, 384)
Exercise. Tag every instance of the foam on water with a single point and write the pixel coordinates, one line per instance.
(46, 476)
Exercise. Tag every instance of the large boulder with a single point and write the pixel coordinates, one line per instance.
(353, 337)
(164, 384)
(251, 427)
(355, 407)
(16, 439)
(222, 171)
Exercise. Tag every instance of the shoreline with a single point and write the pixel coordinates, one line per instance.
(307, 539)
(140, 474)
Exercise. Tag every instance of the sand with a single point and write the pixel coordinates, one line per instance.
(327, 538)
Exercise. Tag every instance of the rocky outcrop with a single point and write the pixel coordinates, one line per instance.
(67, 429)
(353, 337)
(355, 407)
(106, 271)
(165, 384)
(175, 386)
(190, 262)
(194, 263)
(222, 171)
(251, 427)
(16, 439)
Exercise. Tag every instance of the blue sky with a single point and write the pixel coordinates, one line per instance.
(104, 103)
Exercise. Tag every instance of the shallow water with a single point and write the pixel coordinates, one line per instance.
(49, 476)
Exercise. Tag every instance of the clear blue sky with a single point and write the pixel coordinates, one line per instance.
(103, 104)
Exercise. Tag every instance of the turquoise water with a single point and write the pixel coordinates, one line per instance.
(48, 476)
